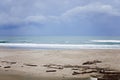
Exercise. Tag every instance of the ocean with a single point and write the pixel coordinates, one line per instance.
(61, 42)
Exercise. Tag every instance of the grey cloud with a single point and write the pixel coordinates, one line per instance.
(92, 8)
(53, 11)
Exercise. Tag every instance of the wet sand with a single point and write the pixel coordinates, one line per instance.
(30, 63)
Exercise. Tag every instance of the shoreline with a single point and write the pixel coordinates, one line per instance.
(30, 63)
(59, 46)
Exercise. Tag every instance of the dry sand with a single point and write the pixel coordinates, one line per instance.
(20, 71)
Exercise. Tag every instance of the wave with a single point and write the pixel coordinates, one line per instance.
(59, 46)
(3, 41)
(110, 41)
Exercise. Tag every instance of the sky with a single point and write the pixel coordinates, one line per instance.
(60, 17)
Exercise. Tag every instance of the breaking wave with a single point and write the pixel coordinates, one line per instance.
(59, 46)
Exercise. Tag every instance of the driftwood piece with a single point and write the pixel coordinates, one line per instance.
(83, 72)
(7, 67)
(30, 65)
(114, 75)
(51, 70)
(91, 62)
(55, 66)
(65, 66)
(110, 72)
(9, 62)
(72, 66)
(76, 73)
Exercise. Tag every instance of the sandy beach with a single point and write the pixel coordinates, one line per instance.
(27, 64)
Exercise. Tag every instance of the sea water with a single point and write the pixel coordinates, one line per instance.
(61, 42)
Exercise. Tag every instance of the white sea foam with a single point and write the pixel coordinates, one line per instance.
(112, 41)
(59, 46)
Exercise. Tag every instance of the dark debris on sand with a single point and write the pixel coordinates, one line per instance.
(92, 62)
(54, 66)
(33, 65)
(7, 67)
(9, 62)
(51, 70)
(85, 68)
